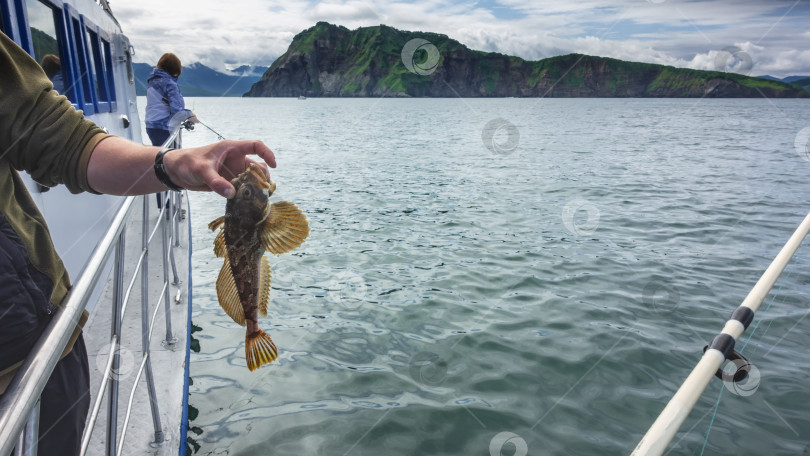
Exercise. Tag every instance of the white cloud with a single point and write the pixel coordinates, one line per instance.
(673, 32)
(761, 60)
(344, 11)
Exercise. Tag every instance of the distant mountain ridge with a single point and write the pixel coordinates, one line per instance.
(787, 79)
(249, 70)
(199, 80)
(332, 61)
(803, 83)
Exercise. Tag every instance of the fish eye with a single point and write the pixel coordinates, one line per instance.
(246, 192)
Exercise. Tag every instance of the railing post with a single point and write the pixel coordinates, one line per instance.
(172, 230)
(170, 339)
(29, 438)
(115, 335)
(150, 380)
(177, 201)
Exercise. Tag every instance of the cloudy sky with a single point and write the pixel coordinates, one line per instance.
(755, 37)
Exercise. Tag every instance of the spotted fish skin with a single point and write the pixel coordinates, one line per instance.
(242, 214)
(250, 227)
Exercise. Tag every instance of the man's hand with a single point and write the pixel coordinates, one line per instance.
(212, 167)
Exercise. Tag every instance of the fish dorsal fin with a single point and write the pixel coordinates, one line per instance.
(216, 223)
(265, 278)
(285, 228)
(219, 245)
(228, 295)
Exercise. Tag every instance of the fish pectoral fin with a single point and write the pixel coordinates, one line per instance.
(219, 245)
(259, 350)
(228, 295)
(285, 228)
(265, 278)
(216, 223)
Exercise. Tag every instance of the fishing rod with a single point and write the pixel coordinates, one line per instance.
(662, 431)
(190, 126)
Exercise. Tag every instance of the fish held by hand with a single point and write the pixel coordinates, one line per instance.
(250, 227)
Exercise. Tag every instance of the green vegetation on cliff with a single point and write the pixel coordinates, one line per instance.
(331, 60)
(804, 83)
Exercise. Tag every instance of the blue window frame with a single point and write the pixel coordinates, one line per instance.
(83, 84)
(106, 55)
(43, 27)
(97, 69)
(73, 77)
(37, 26)
(13, 19)
(5, 17)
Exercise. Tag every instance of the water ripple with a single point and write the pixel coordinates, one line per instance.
(561, 293)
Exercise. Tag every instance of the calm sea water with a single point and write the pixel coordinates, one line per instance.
(550, 269)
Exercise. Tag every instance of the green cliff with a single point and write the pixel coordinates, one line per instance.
(332, 61)
(804, 83)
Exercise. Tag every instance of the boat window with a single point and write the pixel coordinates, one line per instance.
(106, 63)
(47, 46)
(85, 71)
(98, 69)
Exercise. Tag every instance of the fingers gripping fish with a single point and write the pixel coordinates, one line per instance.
(250, 227)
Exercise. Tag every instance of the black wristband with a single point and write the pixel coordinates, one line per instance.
(160, 171)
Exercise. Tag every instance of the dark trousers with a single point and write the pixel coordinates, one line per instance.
(158, 137)
(65, 404)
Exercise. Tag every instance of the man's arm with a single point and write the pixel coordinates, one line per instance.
(120, 167)
(41, 133)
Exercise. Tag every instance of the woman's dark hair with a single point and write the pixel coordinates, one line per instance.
(50, 64)
(171, 64)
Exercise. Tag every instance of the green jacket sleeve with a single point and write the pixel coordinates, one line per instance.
(40, 131)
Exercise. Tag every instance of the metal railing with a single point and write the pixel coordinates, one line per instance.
(19, 405)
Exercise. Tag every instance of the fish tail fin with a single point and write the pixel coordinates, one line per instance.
(259, 349)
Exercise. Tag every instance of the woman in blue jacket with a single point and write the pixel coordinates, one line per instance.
(165, 107)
